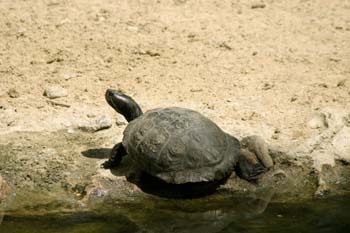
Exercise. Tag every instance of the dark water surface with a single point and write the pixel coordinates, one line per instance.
(185, 216)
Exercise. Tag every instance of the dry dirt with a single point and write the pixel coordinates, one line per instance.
(253, 67)
(264, 68)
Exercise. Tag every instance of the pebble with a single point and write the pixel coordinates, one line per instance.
(91, 115)
(318, 121)
(267, 86)
(21, 32)
(342, 83)
(13, 93)
(258, 5)
(293, 98)
(55, 91)
(132, 29)
(100, 123)
(152, 53)
(99, 192)
(276, 134)
(196, 90)
(68, 75)
(120, 123)
(225, 46)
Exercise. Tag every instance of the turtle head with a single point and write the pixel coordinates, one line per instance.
(123, 104)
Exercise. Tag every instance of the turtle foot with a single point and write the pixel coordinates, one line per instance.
(256, 171)
(109, 164)
(117, 154)
(248, 169)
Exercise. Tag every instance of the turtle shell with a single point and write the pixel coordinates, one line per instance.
(179, 146)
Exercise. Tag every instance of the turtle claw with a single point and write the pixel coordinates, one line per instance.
(107, 164)
(257, 170)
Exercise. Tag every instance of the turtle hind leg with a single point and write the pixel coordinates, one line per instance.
(259, 147)
(116, 155)
(249, 167)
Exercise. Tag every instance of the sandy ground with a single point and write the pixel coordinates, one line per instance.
(253, 67)
(279, 69)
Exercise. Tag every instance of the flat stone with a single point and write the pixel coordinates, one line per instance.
(55, 91)
(97, 124)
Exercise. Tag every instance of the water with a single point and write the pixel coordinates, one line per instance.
(249, 216)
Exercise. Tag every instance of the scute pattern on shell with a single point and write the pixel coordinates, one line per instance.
(180, 145)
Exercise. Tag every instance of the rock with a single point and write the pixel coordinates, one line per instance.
(318, 121)
(55, 91)
(341, 144)
(13, 93)
(4, 189)
(103, 122)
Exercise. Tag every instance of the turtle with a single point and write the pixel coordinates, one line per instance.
(182, 146)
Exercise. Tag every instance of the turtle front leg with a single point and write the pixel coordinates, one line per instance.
(117, 153)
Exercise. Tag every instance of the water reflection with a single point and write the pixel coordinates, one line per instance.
(161, 215)
(195, 216)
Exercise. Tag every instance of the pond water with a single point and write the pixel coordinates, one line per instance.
(196, 217)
